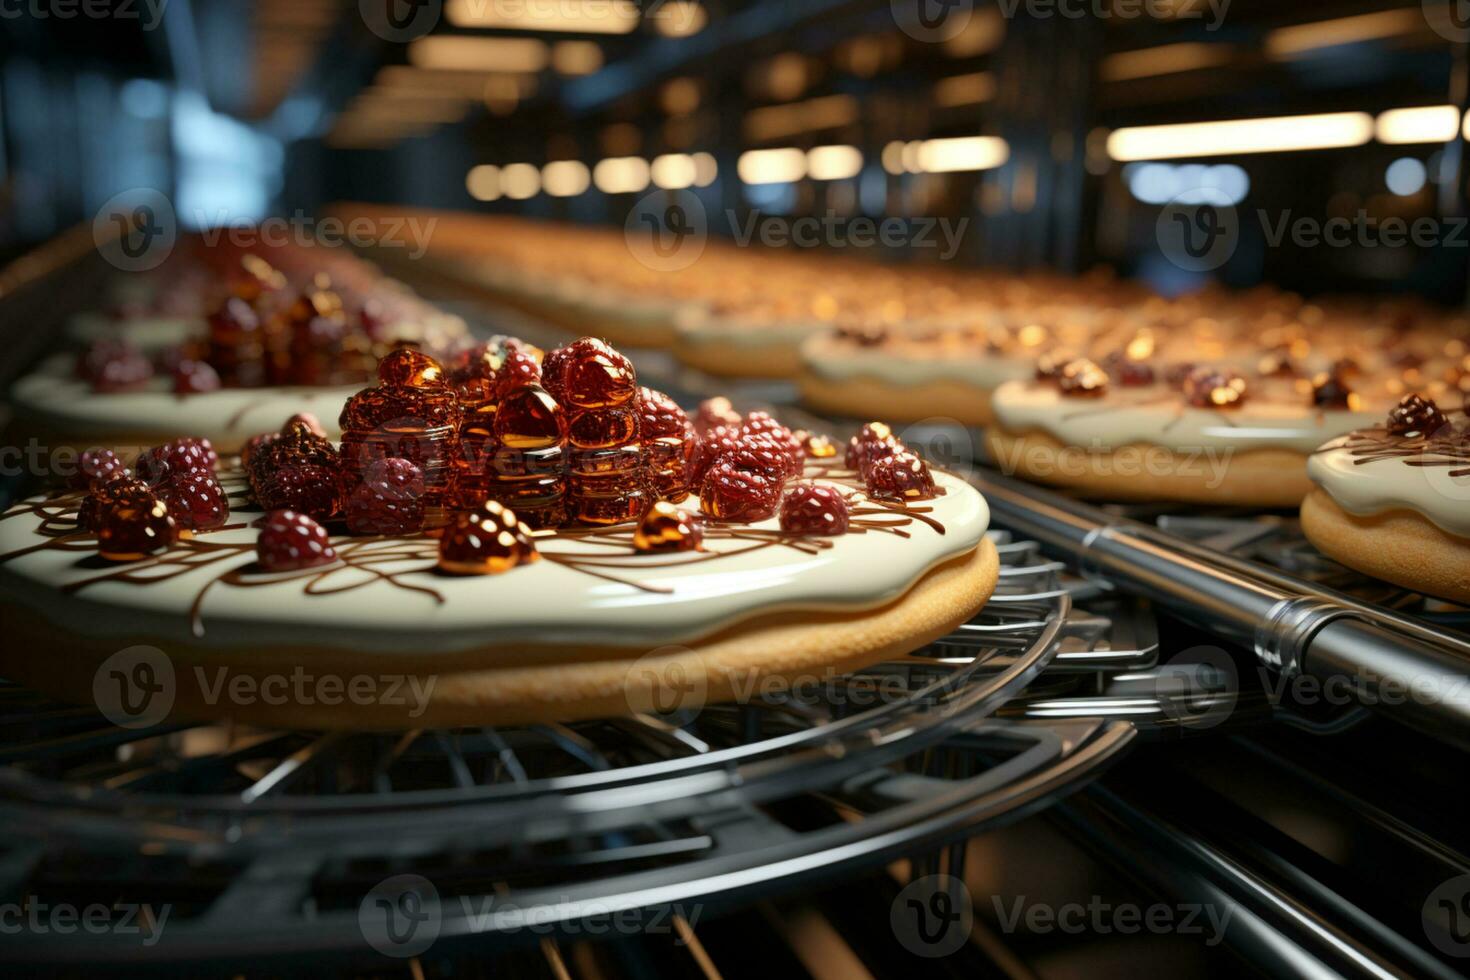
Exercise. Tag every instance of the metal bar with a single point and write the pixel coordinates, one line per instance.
(1293, 626)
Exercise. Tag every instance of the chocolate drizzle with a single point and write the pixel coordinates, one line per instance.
(405, 562)
(1450, 446)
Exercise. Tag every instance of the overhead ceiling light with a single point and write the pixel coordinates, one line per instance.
(674, 171)
(782, 121)
(982, 33)
(1167, 59)
(893, 157)
(679, 18)
(566, 178)
(679, 96)
(771, 166)
(483, 182)
(1277, 134)
(963, 153)
(574, 58)
(706, 169)
(1287, 42)
(621, 175)
(834, 162)
(578, 16)
(519, 181)
(960, 90)
(497, 54)
(1421, 124)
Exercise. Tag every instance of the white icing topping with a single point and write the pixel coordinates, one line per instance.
(699, 327)
(542, 603)
(1374, 487)
(228, 417)
(1158, 415)
(910, 365)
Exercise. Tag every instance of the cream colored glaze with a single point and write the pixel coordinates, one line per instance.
(68, 407)
(1369, 488)
(910, 365)
(1159, 416)
(541, 603)
(698, 326)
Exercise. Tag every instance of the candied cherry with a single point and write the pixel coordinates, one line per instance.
(1416, 415)
(529, 418)
(729, 493)
(98, 465)
(664, 527)
(196, 501)
(307, 489)
(1208, 387)
(134, 525)
(902, 476)
(389, 500)
(1082, 379)
(814, 508)
(290, 541)
(488, 540)
(405, 367)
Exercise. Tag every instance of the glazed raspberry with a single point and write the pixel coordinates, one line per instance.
(761, 424)
(715, 412)
(593, 375)
(290, 541)
(103, 495)
(813, 508)
(553, 371)
(254, 446)
(307, 489)
(409, 368)
(1416, 415)
(902, 476)
(488, 540)
(1330, 390)
(133, 525)
(98, 465)
(665, 527)
(716, 442)
(519, 369)
(857, 447)
(1082, 379)
(660, 417)
(603, 428)
(97, 355)
(729, 493)
(176, 459)
(127, 370)
(389, 500)
(297, 446)
(194, 377)
(874, 452)
(759, 455)
(1208, 387)
(196, 501)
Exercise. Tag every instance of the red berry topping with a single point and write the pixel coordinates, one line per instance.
(307, 489)
(389, 500)
(759, 455)
(1208, 387)
(715, 412)
(254, 447)
(126, 370)
(103, 495)
(195, 377)
(519, 369)
(603, 428)
(871, 453)
(97, 355)
(1416, 415)
(290, 541)
(98, 465)
(902, 476)
(814, 508)
(729, 493)
(1082, 379)
(296, 446)
(660, 417)
(409, 368)
(488, 540)
(762, 424)
(133, 525)
(591, 374)
(1331, 391)
(664, 527)
(196, 501)
(857, 446)
(176, 459)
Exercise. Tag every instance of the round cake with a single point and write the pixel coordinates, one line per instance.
(1393, 500)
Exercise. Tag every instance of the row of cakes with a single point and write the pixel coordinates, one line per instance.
(224, 336)
(515, 535)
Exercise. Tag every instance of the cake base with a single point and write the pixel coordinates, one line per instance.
(797, 650)
(1147, 472)
(1398, 546)
(865, 397)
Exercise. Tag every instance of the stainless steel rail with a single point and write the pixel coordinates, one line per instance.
(1419, 675)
